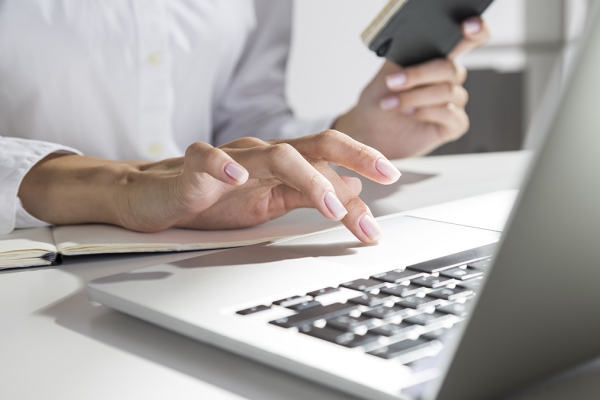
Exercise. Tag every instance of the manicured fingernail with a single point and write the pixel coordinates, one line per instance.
(236, 172)
(409, 111)
(396, 81)
(335, 206)
(389, 103)
(370, 227)
(387, 169)
(472, 26)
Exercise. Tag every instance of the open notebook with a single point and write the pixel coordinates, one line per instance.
(44, 246)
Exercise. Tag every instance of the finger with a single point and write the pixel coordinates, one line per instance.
(359, 219)
(290, 198)
(434, 71)
(203, 158)
(433, 95)
(244, 142)
(337, 148)
(354, 184)
(282, 162)
(476, 33)
(452, 121)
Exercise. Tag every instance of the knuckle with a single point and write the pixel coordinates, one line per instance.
(365, 153)
(280, 151)
(355, 205)
(447, 89)
(212, 155)
(248, 141)
(197, 149)
(318, 184)
(328, 136)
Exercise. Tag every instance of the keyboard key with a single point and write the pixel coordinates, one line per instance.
(404, 291)
(351, 324)
(393, 329)
(253, 310)
(458, 309)
(290, 301)
(452, 294)
(387, 312)
(403, 349)
(304, 306)
(419, 303)
(398, 276)
(311, 315)
(333, 335)
(473, 284)
(371, 300)
(462, 274)
(322, 292)
(454, 260)
(429, 319)
(436, 334)
(363, 285)
(432, 281)
(481, 264)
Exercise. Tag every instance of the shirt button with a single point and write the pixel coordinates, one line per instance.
(154, 149)
(154, 59)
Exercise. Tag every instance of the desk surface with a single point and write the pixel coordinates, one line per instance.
(56, 344)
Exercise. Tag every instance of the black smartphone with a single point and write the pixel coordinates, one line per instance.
(410, 32)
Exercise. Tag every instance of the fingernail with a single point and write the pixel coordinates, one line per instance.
(396, 81)
(387, 169)
(335, 206)
(389, 103)
(472, 26)
(236, 172)
(409, 111)
(370, 227)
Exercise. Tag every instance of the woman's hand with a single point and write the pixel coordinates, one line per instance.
(411, 111)
(242, 183)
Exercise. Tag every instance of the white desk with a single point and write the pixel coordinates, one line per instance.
(56, 344)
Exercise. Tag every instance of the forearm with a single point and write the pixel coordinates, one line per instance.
(72, 189)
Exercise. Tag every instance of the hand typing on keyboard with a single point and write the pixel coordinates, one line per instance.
(242, 183)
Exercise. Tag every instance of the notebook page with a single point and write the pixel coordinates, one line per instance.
(26, 247)
(97, 239)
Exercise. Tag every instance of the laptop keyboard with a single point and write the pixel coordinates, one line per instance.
(400, 314)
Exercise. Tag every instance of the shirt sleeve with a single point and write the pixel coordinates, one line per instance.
(255, 102)
(17, 157)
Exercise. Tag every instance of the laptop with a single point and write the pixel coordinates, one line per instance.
(436, 310)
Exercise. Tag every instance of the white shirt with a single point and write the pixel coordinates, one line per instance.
(137, 79)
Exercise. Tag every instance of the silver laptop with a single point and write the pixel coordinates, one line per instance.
(435, 310)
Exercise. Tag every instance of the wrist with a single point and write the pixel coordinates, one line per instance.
(72, 189)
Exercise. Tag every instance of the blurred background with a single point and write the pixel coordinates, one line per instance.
(533, 42)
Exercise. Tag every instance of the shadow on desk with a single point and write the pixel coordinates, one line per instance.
(209, 364)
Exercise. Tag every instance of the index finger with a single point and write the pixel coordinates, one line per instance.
(338, 148)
